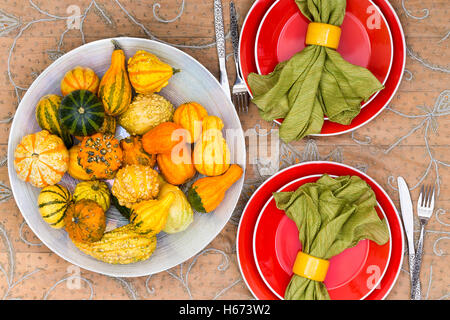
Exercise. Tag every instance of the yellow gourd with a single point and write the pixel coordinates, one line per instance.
(120, 246)
(211, 152)
(189, 116)
(151, 215)
(181, 214)
(147, 73)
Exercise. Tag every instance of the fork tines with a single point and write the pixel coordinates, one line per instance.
(426, 197)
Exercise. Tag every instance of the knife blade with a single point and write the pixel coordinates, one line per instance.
(220, 43)
(408, 222)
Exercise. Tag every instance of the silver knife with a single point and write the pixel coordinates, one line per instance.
(408, 223)
(220, 42)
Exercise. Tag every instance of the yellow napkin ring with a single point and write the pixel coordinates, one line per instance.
(323, 34)
(310, 267)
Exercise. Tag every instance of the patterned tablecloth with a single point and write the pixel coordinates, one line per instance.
(410, 138)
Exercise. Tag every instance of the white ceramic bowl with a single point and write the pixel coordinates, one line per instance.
(193, 83)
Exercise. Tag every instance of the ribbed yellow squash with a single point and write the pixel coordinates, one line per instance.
(120, 246)
(147, 73)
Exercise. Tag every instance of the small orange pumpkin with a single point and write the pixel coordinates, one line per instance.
(176, 168)
(163, 138)
(75, 170)
(41, 159)
(100, 155)
(80, 78)
(85, 221)
(189, 116)
(211, 152)
(134, 153)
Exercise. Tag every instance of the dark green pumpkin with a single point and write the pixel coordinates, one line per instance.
(81, 113)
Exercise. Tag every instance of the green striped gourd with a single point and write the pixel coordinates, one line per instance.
(48, 119)
(115, 87)
(81, 113)
(53, 202)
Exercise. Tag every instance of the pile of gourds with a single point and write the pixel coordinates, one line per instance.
(181, 142)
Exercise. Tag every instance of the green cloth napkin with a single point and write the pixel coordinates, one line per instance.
(331, 215)
(314, 82)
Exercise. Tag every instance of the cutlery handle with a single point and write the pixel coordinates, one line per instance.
(234, 34)
(416, 291)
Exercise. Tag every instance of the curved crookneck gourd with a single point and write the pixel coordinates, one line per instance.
(207, 193)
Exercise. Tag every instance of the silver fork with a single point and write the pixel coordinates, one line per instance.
(425, 207)
(240, 95)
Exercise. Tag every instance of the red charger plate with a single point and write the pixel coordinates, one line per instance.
(244, 242)
(352, 275)
(372, 108)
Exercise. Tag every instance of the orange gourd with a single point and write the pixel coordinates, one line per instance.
(189, 116)
(80, 78)
(115, 88)
(211, 152)
(176, 167)
(207, 193)
(134, 153)
(75, 170)
(163, 138)
(85, 221)
(100, 155)
(41, 159)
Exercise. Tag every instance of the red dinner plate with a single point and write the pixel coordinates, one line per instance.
(352, 275)
(255, 205)
(379, 101)
(366, 39)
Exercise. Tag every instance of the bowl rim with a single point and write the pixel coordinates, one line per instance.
(11, 148)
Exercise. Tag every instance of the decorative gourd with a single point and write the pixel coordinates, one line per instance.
(135, 183)
(146, 112)
(53, 202)
(176, 167)
(134, 153)
(93, 190)
(115, 88)
(147, 73)
(100, 155)
(109, 125)
(181, 214)
(151, 215)
(85, 221)
(163, 138)
(120, 246)
(81, 113)
(41, 159)
(211, 152)
(80, 78)
(47, 117)
(189, 116)
(75, 170)
(207, 193)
